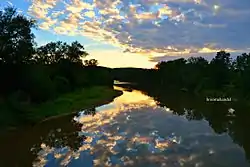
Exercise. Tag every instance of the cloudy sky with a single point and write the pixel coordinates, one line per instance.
(139, 33)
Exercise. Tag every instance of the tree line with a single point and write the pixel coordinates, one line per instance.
(37, 74)
(32, 74)
(183, 85)
(222, 76)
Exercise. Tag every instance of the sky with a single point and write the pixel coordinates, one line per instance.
(140, 33)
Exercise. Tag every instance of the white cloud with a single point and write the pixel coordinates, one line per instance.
(90, 14)
(55, 14)
(152, 26)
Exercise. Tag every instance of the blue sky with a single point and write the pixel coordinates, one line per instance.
(139, 33)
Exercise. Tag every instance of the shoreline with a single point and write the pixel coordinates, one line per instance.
(100, 103)
(66, 104)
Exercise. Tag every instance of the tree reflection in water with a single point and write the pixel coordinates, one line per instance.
(91, 111)
(224, 117)
(138, 130)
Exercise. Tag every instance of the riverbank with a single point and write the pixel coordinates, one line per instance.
(65, 104)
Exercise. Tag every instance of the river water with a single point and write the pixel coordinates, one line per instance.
(133, 130)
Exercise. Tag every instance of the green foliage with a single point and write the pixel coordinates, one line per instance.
(220, 77)
(73, 101)
(37, 82)
(16, 38)
(38, 74)
(99, 75)
(18, 99)
(62, 84)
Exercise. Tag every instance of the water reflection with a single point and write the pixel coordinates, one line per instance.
(139, 130)
(230, 118)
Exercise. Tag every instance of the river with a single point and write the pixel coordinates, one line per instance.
(135, 129)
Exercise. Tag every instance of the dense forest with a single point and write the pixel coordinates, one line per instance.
(221, 77)
(32, 75)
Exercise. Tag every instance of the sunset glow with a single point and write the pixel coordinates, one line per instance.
(142, 29)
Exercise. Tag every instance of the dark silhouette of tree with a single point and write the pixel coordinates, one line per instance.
(16, 38)
(242, 63)
(51, 53)
(241, 77)
(54, 52)
(196, 71)
(91, 62)
(220, 70)
(31, 74)
(76, 52)
(222, 76)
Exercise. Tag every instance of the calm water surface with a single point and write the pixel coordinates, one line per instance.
(133, 130)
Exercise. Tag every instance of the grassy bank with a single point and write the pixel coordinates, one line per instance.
(65, 104)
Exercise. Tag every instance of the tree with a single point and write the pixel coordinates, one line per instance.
(241, 73)
(160, 65)
(195, 72)
(222, 59)
(219, 69)
(242, 62)
(16, 38)
(55, 52)
(198, 61)
(51, 53)
(91, 62)
(76, 52)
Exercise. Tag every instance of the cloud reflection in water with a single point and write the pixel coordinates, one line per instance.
(134, 131)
